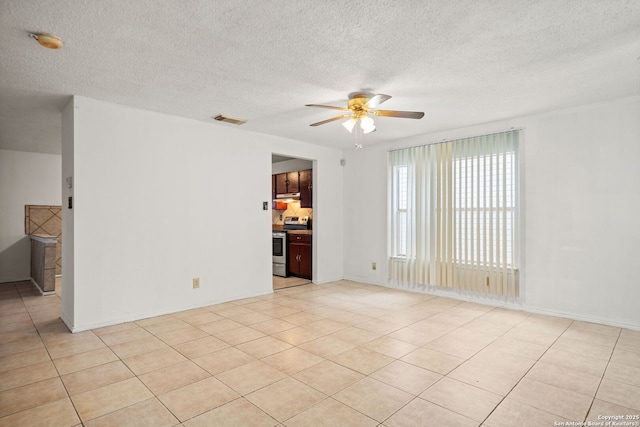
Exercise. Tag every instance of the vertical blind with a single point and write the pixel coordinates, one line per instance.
(453, 214)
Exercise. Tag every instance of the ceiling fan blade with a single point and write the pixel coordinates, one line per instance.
(331, 107)
(344, 116)
(377, 100)
(402, 114)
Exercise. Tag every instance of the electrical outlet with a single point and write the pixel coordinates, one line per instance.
(196, 283)
(373, 266)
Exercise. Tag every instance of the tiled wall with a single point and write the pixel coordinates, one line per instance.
(293, 209)
(45, 220)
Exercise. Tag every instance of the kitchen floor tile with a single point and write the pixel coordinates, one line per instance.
(462, 398)
(326, 346)
(407, 377)
(355, 335)
(89, 359)
(415, 336)
(200, 347)
(153, 360)
(239, 412)
(432, 360)
(197, 398)
(564, 378)
(263, 347)
(563, 403)
(331, 413)
(100, 401)
(250, 377)
(581, 347)
(273, 326)
(26, 358)
(27, 375)
(239, 335)
(621, 394)
(88, 343)
(285, 399)
(487, 377)
(362, 360)
(422, 413)
(219, 326)
(514, 413)
(177, 336)
(390, 346)
(292, 360)
(148, 413)
(459, 343)
(623, 374)
(28, 396)
(517, 348)
(133, 333)
(201, 318)
(56, 413)
(328, 377)
(98, 376)
(373, 398)
(601, 407)
(626, 358)
(223, 360)
(172, 377)
(298, 335)
(578, 362)
(138, 347)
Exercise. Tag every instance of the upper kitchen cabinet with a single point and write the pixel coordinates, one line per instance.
(287, 183)
(306, 188)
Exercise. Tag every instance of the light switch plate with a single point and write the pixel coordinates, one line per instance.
(265, 206)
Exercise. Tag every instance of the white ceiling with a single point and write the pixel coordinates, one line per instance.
(461, 62)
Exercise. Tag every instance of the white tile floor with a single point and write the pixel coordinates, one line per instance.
(341, 354)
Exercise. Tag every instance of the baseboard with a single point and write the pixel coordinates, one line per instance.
(43, 293)
(112, 322)
(513, 305)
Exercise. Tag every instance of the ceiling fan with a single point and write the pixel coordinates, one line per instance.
(361, 107)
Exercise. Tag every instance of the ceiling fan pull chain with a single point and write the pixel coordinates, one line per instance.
(358, 145)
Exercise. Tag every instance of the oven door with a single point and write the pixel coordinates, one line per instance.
(279, 248)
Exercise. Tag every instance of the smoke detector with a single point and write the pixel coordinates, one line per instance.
(228, 119)
(47, 40)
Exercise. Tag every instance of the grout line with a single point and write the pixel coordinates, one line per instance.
(613, 349)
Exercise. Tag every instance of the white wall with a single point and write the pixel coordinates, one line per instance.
(68, 232)
(25, 179)
(581, 198)
(291, 166)
(146, 220)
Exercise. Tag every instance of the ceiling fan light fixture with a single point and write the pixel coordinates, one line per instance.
(367, 124)
(349, 124)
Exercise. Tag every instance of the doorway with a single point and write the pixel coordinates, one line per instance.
(292, 214)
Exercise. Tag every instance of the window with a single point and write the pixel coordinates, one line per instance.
(485, 198)
(453, 214)
(401, 208)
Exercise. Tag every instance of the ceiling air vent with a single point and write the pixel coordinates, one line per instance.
(222, 118)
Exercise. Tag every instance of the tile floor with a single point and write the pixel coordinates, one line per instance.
(340, 354)
(288, 282)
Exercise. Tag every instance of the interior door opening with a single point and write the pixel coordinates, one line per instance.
(292, 222)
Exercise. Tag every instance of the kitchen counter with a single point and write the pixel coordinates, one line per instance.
(305, 232)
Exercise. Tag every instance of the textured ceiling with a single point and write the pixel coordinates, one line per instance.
(461, 62)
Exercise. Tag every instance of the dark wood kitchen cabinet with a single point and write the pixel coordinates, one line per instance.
(300, 255)
(306, 188)
(287, 183)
